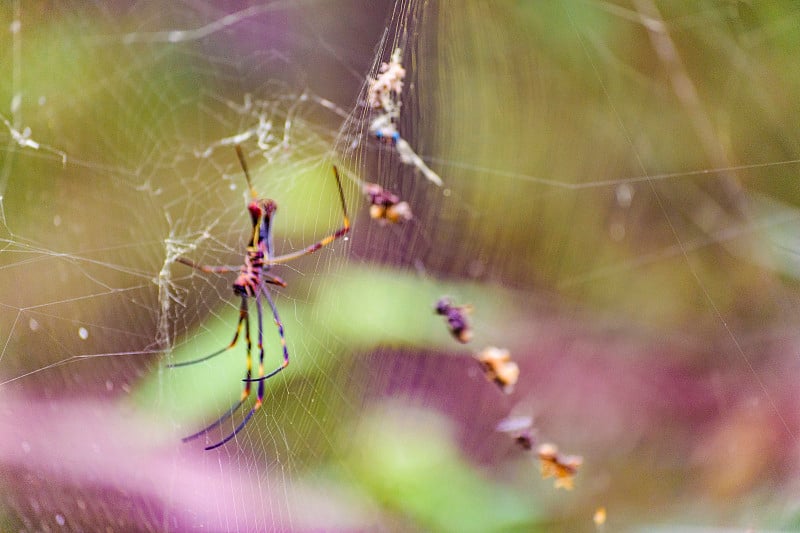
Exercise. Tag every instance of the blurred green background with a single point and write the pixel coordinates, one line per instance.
(618, 207)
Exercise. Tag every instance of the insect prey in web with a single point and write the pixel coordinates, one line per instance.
(456, 317)
(385, 206)
(559, 466)
(499, 368)
(384, 99)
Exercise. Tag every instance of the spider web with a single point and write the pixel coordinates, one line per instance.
(617, 206)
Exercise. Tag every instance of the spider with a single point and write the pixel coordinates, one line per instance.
(254, 275)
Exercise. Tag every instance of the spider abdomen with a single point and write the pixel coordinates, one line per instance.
(249, 277)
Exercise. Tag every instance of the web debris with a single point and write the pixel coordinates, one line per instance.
(383, 96)
(274, 128)
(23, 138)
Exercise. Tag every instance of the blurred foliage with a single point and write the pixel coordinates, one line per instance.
(425, 479)
(592, 104)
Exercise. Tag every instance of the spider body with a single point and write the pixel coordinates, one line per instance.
(249, 277)
(251, 282)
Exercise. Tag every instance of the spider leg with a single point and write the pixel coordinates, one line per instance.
(279, 325)
(325, 240)
(206, 268)
(243, 319)
(247, 380)
(244, 422)
(219, 421)
(244, 316)
(273, 279)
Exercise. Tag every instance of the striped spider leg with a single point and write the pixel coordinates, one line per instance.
(254, 276)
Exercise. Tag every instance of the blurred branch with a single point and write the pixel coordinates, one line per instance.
(686, 92)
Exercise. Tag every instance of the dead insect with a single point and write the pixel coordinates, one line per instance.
(498, 367)
(520, 428)
(385, 206)
(456, 318)
(556, 465)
